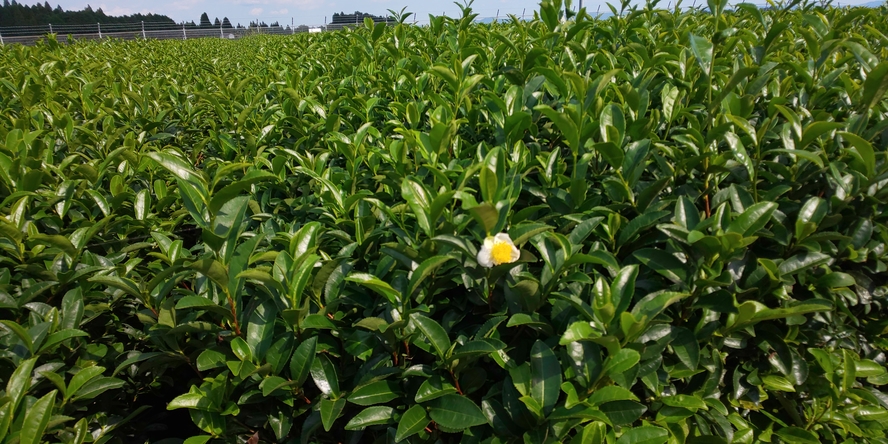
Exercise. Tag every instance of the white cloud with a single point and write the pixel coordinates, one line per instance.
(256, 11)
(280, 11)
(301, 5)
(116, 10)
(186, 4)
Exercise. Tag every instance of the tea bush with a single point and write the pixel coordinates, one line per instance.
(310, 238)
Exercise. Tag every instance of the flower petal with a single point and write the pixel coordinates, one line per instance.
(504, 237)
(515, 254)
(484, 258)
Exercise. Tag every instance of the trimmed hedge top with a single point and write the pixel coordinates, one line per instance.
(663, 226)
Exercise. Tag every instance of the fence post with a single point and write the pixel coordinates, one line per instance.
(100, 30)
(184, 36)
(1, 39)
(221, 34)
(50, 28)
(497, 16)
(143, 30)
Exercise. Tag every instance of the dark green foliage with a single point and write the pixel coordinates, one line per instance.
(19, 15)
(277, 239)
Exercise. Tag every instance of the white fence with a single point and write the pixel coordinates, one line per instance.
(28, 35)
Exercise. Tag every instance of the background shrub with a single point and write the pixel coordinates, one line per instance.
(276, 239)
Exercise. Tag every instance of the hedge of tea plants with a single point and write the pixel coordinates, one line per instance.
(663, 226)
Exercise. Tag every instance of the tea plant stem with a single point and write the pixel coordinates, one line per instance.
(489, 292)
(231, 304)
(456, 382)
(815, 420)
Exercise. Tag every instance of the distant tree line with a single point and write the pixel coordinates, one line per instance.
(357, 17)
(205, 22)
(14, 14)
(226, 24)
(264, 25)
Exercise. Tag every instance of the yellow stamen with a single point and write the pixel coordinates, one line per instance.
(501, 253)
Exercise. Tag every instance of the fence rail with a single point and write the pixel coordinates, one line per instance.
(29, 35)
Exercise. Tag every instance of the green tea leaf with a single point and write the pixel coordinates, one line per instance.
(875, 86)
(375, 284)
(37, 418)
(623, 412)
(412, 422)
(371, 416)
(375, 393)
(455, 412)
(546, 376)
(644, 435)
(752, 219)
(663, 263)
(702, 49)
(434, 333)
(330, 411)
(303, 360)
(324, 374)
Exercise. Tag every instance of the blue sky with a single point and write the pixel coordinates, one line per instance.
(313, 12)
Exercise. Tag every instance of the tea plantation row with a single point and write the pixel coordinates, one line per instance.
(668, 225)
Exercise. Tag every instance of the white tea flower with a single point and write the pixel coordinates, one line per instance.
(498, 250)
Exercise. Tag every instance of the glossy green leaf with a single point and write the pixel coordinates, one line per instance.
(330, 411)
(433, 332)
(663, 263)
(325, 376)
(375, 393)
(753, 219)
(303, 360)
(644, 435)
(702, 49)
(373, 283)
(610, 393)
(545, 371)
(371, 416)
(455, 412)
(424, 270)
(412, 422)
(20, 381)
(797, 435)
(875, 86)
(37, 418)
(623, 412)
